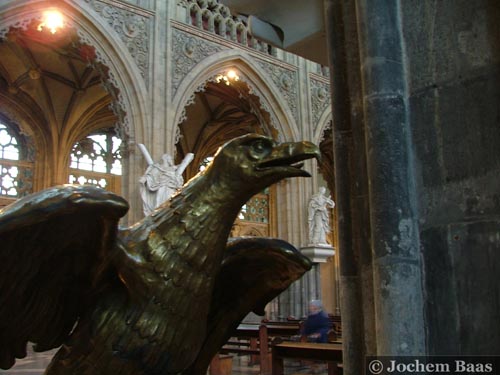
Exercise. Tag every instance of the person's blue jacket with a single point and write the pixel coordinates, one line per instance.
(317, 323)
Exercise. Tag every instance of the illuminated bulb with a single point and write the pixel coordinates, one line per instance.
(52, 20)
(227, 78)
(231, 74)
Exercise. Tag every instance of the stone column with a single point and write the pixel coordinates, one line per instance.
(398, 292)
(349, 160)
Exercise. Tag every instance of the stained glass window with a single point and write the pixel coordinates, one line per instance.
(15, 173)
(96, 160)
(256, 209)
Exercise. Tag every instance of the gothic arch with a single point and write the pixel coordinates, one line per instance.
(131, 94)
(252, 74)
(323, 137)
(323, 124)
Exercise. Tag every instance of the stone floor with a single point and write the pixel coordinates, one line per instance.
(35, 364)
(241, 367)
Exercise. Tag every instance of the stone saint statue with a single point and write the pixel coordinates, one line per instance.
(161, 179)
(318, 218)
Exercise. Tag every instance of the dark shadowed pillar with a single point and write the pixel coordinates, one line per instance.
(351, 191)
(398, 296)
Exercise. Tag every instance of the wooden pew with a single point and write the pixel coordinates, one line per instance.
(254, 339)
(257, 344)
(330, 353)
(285, 330)
(221, 364)
(335, 334)
(281, 330)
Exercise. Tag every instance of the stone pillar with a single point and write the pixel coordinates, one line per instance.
(293, 301)
(313, 286)
(350, 184)
(397, 279)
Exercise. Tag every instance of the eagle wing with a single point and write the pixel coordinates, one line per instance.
(53, 246)
(253, 272)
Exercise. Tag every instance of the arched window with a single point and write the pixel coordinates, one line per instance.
(16, 173)
(256, 210)
(96, 160)
(254, 217)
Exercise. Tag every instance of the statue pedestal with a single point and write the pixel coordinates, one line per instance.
(318, 253)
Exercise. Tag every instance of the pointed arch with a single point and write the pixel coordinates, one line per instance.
(323, 124)
(130, 94)
(258, 81)
(323, 137)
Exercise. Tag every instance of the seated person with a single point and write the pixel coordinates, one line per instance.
(317, 324)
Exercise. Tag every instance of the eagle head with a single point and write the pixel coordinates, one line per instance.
(255, 161)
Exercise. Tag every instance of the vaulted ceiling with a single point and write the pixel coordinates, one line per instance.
(55, 82)
(49, 77)
(220, 112)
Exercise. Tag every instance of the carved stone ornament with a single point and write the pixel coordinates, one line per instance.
(286, 81)
(326, 132)
(320, 99)
(188, 51)
(112, 86)
(134, 30)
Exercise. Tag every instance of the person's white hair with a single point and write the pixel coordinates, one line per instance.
(316, 303)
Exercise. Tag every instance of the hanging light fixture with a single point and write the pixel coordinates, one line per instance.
(52, 20)
(227, 77)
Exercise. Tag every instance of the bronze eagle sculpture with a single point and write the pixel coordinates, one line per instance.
(159, 297)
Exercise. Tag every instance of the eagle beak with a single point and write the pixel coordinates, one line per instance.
(287, 158)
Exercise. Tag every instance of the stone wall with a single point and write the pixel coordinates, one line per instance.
(454, 59)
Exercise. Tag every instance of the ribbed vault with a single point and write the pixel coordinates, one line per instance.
(220, 112)
(52, 87)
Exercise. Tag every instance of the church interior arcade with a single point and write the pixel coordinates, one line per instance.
(178, 77)
(402, 99)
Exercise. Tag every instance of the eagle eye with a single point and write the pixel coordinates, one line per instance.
(260, 149)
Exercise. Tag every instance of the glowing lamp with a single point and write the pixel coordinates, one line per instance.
(227, 78)
(52, 20)
(232, 75)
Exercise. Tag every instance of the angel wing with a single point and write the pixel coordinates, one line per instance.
(253, 272)
(54, 244)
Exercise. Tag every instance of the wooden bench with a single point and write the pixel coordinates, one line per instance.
(284, 330)
(330, 353)
(254, 339)
(221, 364)
(251, 339)
(335, 333)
